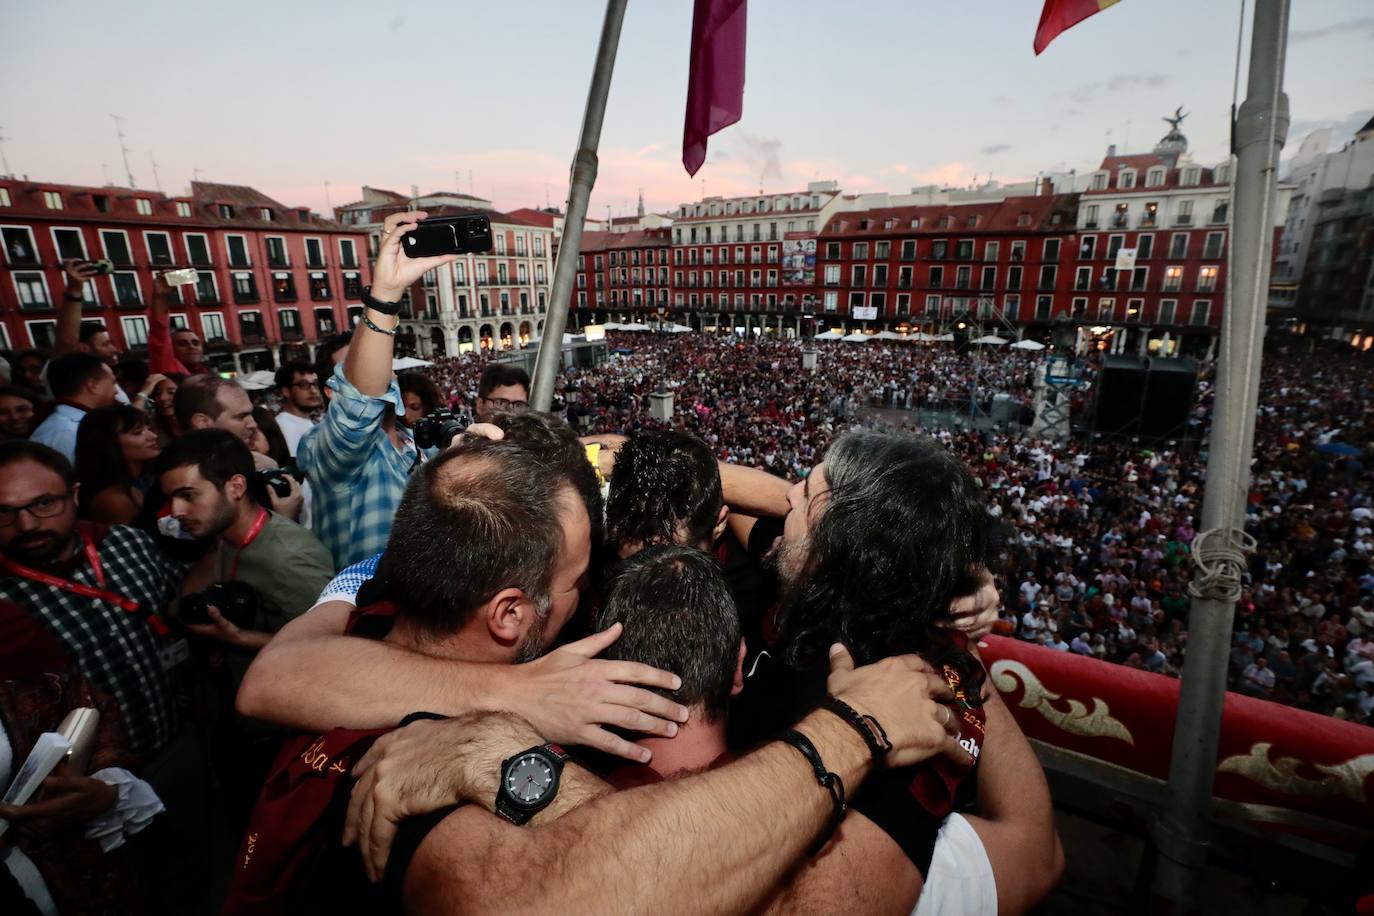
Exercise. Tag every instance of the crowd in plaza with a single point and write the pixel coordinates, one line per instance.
(1098, 532)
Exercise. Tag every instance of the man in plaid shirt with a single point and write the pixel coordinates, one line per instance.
(358, 457)
(103, 613)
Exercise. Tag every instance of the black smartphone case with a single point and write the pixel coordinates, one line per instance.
(448, 235)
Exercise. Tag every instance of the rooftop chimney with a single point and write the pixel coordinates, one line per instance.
(1111, 150)
(1046, 186)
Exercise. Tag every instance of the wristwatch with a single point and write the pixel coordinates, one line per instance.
(377, 305)
(529, 782)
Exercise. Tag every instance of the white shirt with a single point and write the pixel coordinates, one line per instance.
(293, 429)
(58, 431)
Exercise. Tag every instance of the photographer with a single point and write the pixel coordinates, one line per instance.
(359, 456)
(261, 572)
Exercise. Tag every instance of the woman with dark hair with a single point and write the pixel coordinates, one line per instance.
(420, 395)
(113, 446)
(162, 406)
(269, 440)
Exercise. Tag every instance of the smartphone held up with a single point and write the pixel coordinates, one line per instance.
(448, 235)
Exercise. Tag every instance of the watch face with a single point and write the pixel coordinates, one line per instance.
(529, 778)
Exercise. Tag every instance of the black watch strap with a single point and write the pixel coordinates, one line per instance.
(386, 308)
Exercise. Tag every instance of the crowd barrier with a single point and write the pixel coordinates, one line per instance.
(1278, 768)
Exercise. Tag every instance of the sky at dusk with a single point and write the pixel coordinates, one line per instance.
(285, 96)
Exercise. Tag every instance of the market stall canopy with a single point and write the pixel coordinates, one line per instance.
(1027, 345)
(409, 362)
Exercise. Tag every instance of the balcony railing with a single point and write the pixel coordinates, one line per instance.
(319, 264)
(278, 262)
(246, 298)
(1183, 219)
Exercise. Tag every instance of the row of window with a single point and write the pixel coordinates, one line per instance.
(1149, 215)
(760, 205)
(936, 306)
(21, 251)
(31, 289)
(143, 206)
(1212, 248)
(42, 332)
(704, 235)
(1127, 178)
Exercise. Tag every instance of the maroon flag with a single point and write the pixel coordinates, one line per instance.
(715, 85)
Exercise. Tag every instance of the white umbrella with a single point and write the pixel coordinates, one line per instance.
(677, 328)
(567, 339)
(857, 337)
(409, 362)
(613, 326)
(636, 326)
(828, 335)
(260, 380)
(1027, 345)
(992, 339)
(888, 335)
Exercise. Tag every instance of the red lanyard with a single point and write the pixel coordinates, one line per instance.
(98, 592)
(258, 524)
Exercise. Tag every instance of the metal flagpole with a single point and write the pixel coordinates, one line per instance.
(583, 177)
(1261, 127)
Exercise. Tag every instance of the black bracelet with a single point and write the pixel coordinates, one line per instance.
(373, 326)
(869, 728)
(828, 780)
(377, 305)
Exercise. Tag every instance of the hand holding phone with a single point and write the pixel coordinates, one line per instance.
(448, 235)
(393, 274)
(182, 277)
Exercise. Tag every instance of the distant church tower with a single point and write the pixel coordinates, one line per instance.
(641, 203)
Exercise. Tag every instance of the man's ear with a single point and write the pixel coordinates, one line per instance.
(738, 685)
(235, 487)
(201, 421)
(720, 523)
(508, 615)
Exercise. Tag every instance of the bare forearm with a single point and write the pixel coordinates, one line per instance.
(330, 681)
(368, 363)
(753, 492)
(1011, 783)
(730, 834)
(67, 334)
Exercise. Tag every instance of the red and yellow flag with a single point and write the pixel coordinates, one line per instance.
(1060, 15)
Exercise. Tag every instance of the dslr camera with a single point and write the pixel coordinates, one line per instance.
(239, 602)
(276, 478)
(437, 428)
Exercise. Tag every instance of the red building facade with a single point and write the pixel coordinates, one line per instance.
(926, 266)
(269, 275)
(624, 273)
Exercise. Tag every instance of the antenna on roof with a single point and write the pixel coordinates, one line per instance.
(157, 182)
(195, 174)
(105, 170)
(4, 163)
(327, 202)
(124, 149)
(471, 192)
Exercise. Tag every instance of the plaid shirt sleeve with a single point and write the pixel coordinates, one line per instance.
(339, 446)
(345, 586)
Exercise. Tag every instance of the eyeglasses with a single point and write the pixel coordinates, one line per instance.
(42, 507)
(504, 404)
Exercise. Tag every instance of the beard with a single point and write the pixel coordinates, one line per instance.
(532, 646)
(788, 561)
(38, 548)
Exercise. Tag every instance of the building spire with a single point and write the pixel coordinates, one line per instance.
(641, 203)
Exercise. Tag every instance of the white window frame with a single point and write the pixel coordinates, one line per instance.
(228, 255)
(81, 237)
(49, 197)
(128, 321)
(1154, 178)
(1139, 309)
(933, 304)
(205, 326)
(5, 334)
(1192, 313)
(285, 250)
(39, 322)
(354, 245)
(138, 287)
(320, 242)
(242, 312)
(183, 208)
(5, 198)
(148, 246)
(1202, 272)
(177, 321)
(1164, 283)
(143, 206)
(33, 245)
(42, 278)
(1173, 314)
(209, 252)
(105, 248)
(1106, 308)
(214, 284)
(1011, 306)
